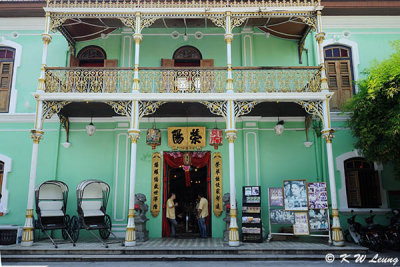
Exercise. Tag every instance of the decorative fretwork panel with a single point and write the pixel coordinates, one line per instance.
(277, 80)
(179, 3)
(177, 80)
(182, 81)
(88, 80)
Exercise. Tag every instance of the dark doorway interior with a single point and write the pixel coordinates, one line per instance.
(186, 197)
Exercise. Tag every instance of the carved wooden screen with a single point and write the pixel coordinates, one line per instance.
(339, 74)
(362, 184)
(7, 55)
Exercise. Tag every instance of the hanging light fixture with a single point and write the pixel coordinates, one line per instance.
(153, 136)
(90, 128)
(216, 137)
(279, 127)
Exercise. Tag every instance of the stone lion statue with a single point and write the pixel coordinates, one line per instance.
(140, 200)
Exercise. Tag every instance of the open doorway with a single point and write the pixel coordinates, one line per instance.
(176, 181)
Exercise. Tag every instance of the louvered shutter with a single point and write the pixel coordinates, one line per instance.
(353, 189)
(339, 81)
(6, 69)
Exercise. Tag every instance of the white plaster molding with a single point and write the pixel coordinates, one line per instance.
(4, 192)
(244, 52)
(343, 207)
(188, 97)
(117, 177)
(17, 63)
(355, 58)
(361, 22)
(22, 24)
(256, 157)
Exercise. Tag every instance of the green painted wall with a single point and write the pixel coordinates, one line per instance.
(279, 157)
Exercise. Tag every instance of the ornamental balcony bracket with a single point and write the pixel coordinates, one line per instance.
(221, 21)
(244, 107)
(220, 108)
(149, 107)
(313, 108)
(144, 22)
(123, 108)
(64, 121)
(310, 21)
(216, 107)
(52, 107)
(56, 21)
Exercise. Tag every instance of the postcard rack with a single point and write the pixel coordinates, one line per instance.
(277, 215)
(251, 215)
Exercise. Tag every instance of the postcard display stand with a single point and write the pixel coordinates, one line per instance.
(302, 205)
(251, 214)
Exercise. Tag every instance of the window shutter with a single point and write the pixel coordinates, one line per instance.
(6, 69)
(353, 189)
(346, 89)
(111, 63)
(333, 83)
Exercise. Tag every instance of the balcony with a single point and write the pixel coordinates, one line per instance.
(183, 80)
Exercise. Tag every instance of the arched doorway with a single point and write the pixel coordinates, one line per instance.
(362, 183)
(187, 56)
(92, 56)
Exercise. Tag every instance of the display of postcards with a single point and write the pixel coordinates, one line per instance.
(275, 197)
(300, 226)
(318, 219)
(248, 219)
(251, 209)
(295, 195)
(247, 191)
(253, 199)
(251, 230)
(317, 196)
(255, 190)
(280, 216)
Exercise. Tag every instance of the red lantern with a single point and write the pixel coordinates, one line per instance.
(153, 137)
(216, 136)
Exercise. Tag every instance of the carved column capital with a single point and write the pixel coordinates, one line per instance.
(46, 38)
(134, 135)
(328, 135)
(36, 136)
(320, 37)
(231, 135)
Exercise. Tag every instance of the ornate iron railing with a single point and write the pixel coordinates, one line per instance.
(179, 3)
(183, 80)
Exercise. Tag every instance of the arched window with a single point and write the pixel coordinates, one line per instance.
(7, 55)
(92, 56)
(362, 184)
(187, 56)
(339, 73)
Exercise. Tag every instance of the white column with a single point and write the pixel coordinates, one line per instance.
(327, 132)
(320, 36)
(36, 135)
(228, 39)
(231, 136)
(134, 134)
(138, 38)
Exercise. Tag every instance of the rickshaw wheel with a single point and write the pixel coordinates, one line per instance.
(67, 222)
(74, 228)
(105, 233)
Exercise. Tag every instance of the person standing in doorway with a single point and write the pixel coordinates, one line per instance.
(171, 214)
(202, 213)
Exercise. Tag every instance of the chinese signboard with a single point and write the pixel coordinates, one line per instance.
(184, 138)
(217, 183)
(155, 184)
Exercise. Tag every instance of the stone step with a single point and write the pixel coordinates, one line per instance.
(159, 257)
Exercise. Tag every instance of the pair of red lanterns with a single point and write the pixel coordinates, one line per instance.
(153, 137)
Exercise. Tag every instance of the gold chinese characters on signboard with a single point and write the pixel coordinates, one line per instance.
(217, 183)
(155, 184)
(186, 138)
